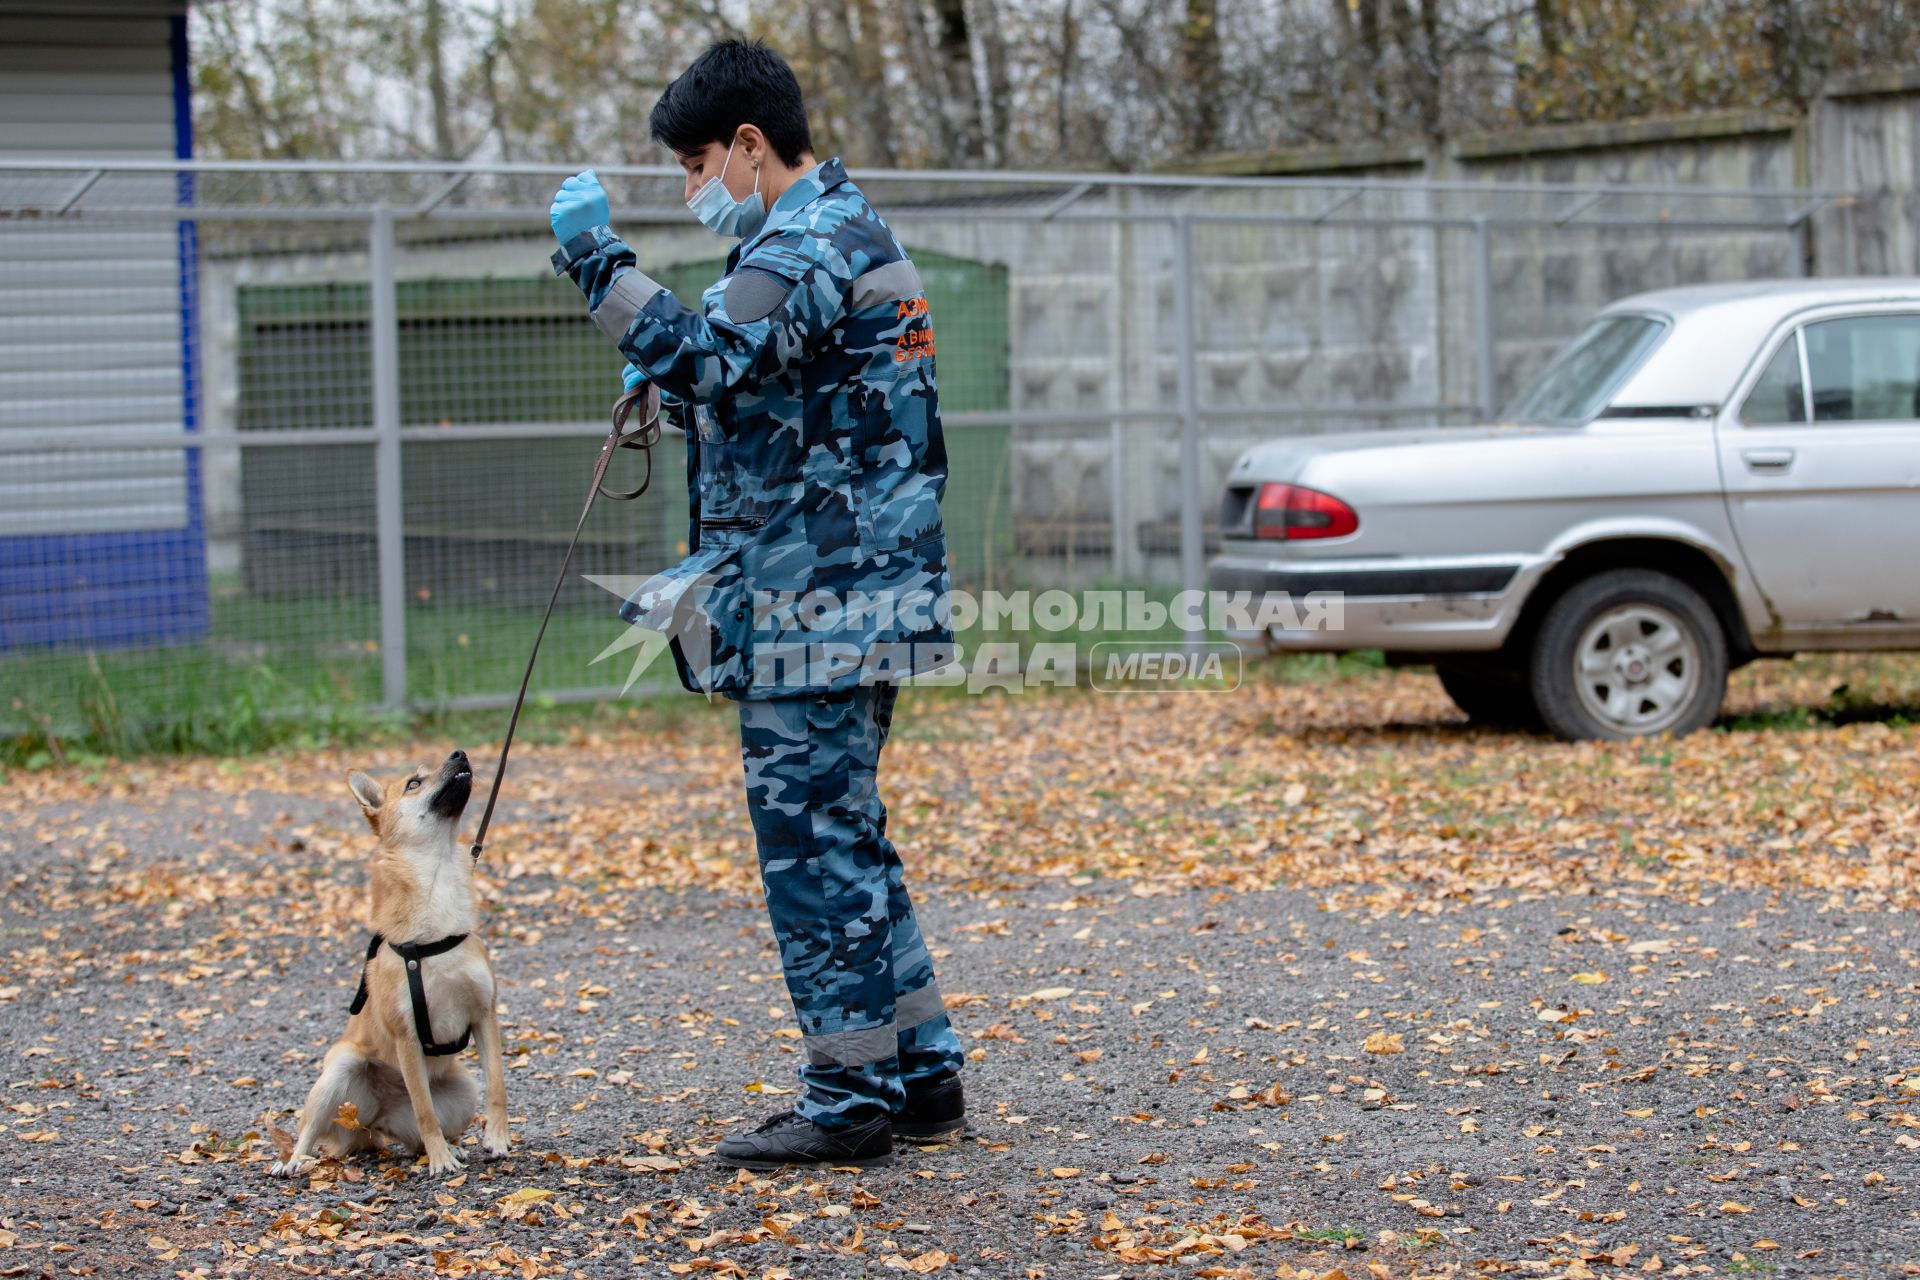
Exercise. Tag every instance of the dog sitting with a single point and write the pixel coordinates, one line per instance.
(426, 988)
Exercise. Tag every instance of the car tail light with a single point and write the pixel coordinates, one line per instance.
(1295, 511)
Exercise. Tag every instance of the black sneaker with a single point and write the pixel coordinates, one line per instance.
(787, 1139)
(934, 1112)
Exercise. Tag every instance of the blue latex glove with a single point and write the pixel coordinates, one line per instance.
(579, 205)
(633, 377)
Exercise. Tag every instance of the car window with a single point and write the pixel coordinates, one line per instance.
(1865, 368)
(1779, 398)
(1575, 385)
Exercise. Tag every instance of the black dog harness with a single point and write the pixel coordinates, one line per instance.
(413, 953)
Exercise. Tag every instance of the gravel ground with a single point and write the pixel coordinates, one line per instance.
(1163, 1082)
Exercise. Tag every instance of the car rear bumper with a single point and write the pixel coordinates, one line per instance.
(1418, 604)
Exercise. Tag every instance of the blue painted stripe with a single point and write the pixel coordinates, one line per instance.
(89, 560)
(182, 90)
(124, 621)
(187, 612)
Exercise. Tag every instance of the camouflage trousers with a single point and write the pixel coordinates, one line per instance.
(861, 980)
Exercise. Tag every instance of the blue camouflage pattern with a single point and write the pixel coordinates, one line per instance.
(815, 461)
(872, 1021)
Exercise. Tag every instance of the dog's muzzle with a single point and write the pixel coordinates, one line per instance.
(456, 785)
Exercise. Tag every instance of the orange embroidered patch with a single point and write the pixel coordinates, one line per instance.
(914, 344)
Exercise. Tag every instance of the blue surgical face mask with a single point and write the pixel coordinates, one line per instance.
(715, 206)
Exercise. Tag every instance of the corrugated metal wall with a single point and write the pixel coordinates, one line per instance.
(90, 316)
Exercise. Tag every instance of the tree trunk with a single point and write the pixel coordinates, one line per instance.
(934, 115)
(490, 86)
(1372, 80)
(953, 45)
(864, 72)
(815, 89)
(1433, 62)
(1790, 46)
(1200, 69)
(434, 37)
(1063, 92)
(1418, 40)
(1548, 21)
(998, 103)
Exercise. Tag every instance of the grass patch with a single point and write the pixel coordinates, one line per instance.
(312, 667)
(307, 672)
(304, 672)
(1833, 715)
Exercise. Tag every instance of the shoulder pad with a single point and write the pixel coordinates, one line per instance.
(754, 294)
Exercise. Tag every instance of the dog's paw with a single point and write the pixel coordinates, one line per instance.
(445, 1163)
(293, 1168)
(493, 1144)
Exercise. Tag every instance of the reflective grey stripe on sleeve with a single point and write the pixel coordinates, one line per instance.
(630, 292)
(916, 1007)
(853, 1048)
(891, 283)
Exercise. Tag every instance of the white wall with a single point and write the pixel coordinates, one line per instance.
(90, 330)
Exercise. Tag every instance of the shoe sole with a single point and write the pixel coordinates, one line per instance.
(930, 1133)
(863, 1162)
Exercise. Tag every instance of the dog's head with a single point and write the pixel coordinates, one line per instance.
(417, 806)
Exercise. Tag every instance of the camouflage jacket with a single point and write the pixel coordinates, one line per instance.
(815, 463)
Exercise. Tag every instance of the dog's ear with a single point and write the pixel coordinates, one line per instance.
(370, 794)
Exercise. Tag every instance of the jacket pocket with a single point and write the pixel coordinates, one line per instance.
(702, 605)
(732, 490)
(740, 523)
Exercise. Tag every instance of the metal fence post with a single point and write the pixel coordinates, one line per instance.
(1192, 547)
(1483, 320)
(1119, 480)
(383, 336)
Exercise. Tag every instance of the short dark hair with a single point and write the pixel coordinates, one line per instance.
(734, 82)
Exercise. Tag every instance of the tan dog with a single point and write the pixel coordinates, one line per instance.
(405, 1080)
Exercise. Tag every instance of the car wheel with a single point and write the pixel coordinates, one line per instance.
(1628, 653)
(1489, 695)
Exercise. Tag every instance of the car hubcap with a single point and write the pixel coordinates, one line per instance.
(1637, 668)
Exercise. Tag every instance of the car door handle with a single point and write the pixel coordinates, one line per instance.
(1768, 459)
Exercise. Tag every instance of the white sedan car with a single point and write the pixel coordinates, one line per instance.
(1705, 476)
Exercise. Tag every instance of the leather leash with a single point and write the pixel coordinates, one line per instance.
(643, 438)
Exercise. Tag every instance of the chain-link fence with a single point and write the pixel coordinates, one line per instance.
(300, 437)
